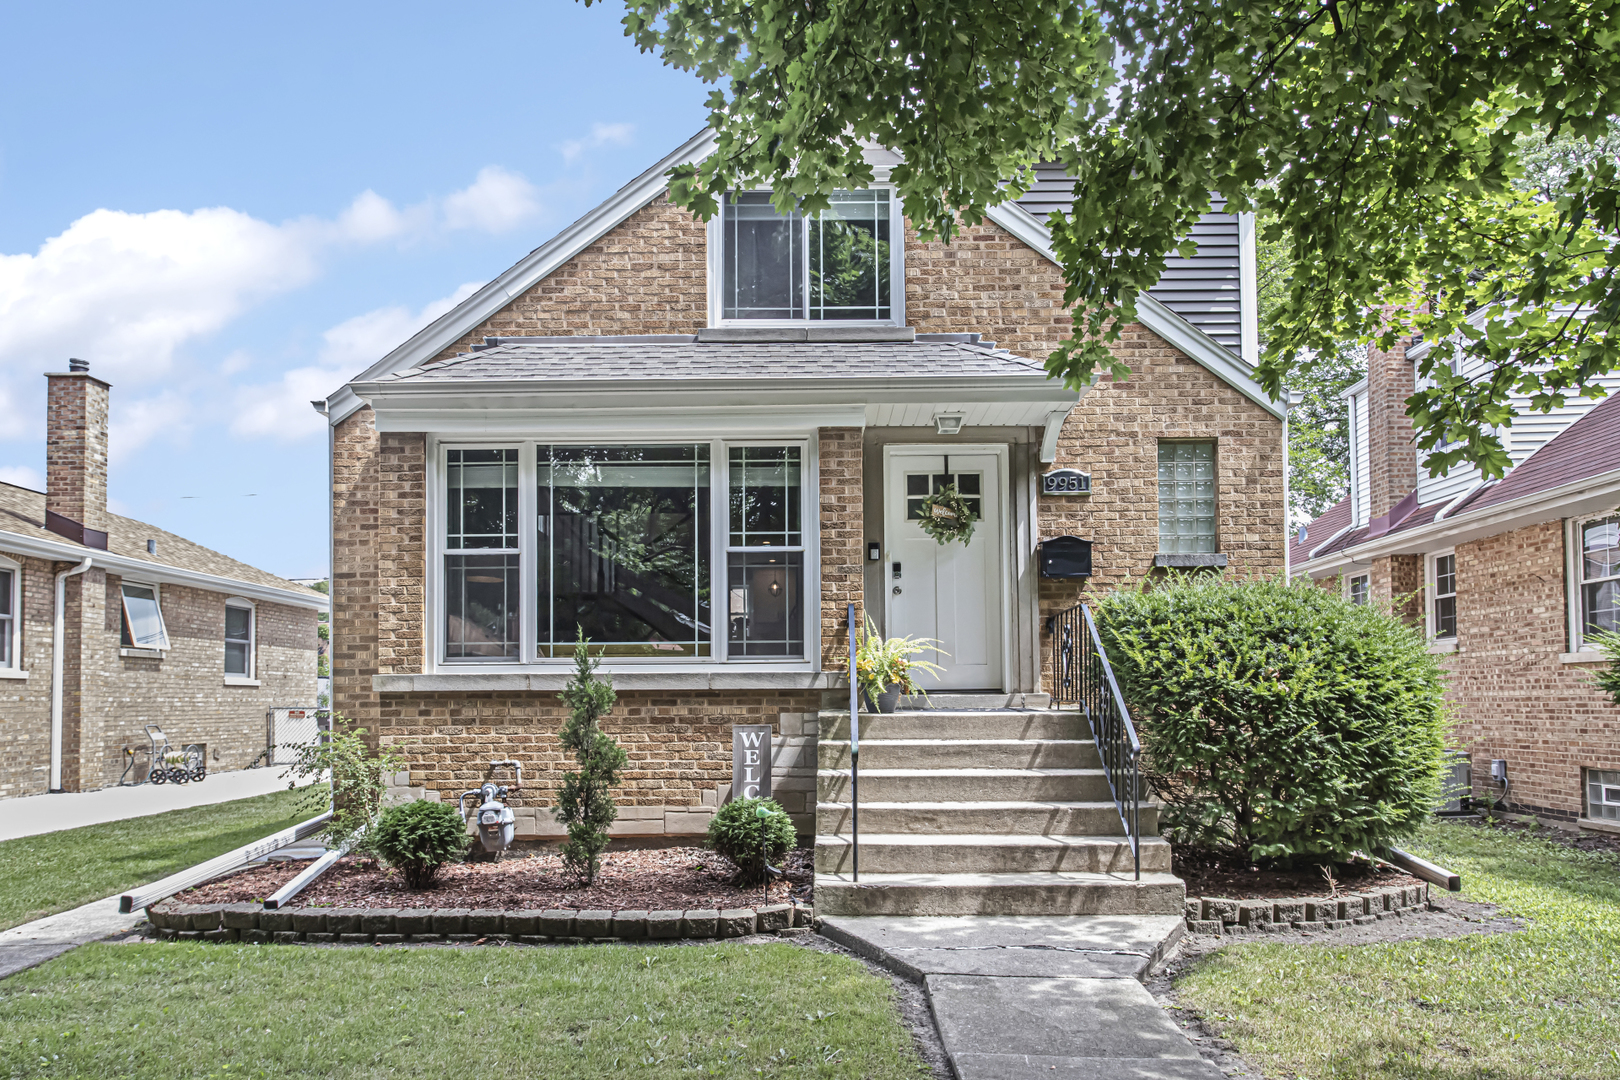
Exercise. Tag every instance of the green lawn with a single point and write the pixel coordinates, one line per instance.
(1538, 1005)
(41, 875)
(198, 1010)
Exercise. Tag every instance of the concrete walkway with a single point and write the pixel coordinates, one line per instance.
(1020, 997)
(31, 944)
(35, 814)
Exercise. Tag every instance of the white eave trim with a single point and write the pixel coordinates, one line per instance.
(1152, 314)
(124, 566)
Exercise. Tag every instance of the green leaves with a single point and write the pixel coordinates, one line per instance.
(740, 834)
(1381, 143)
(585, 798)
(418, 837)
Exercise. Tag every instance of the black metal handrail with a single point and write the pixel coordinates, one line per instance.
(854, 753)
(1081, 675)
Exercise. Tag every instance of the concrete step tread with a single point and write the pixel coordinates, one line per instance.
(990, 881)
(964, 773)
(982, 839)
(1000, 804)
(944, 740)
(946, 714)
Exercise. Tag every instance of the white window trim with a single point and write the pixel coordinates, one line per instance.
(1429, 596)
(14, 670)
(1346, 579)
(252, 676)
(528, 660)
(1580, 651)
(897, 272)
(163, 624)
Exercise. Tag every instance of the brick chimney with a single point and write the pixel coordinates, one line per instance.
(1391, 453)
(76, 455)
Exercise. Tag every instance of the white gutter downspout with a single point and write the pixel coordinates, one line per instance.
(56, 672)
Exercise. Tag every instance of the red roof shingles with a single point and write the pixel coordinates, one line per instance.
(1588, 447)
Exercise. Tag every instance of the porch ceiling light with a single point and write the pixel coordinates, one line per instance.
(948, 423)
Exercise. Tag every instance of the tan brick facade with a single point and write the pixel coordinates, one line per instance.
(650, 276)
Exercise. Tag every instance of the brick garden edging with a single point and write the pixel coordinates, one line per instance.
(1216, 916)
(389, 926)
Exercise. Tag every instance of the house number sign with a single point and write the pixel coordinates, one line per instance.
(751, 761)
(1065, 482)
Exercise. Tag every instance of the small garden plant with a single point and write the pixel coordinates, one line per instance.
(585, 800)
(416, 838)
(882, 662)
(749, 840)
(359, 782)
(1277, 720)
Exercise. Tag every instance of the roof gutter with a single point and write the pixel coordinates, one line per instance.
(57, 647)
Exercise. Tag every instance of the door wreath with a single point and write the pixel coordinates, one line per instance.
(947, 517)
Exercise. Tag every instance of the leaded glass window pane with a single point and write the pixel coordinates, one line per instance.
(1186, 497)
(483, 498)
(765, 496)
(482, 589)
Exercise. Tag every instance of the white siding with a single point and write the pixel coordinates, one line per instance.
(1358, 458)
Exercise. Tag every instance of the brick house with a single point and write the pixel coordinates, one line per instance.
(108, 624)
(1507, 579)
(649, 411)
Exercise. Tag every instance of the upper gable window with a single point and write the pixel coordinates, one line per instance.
(838, 265)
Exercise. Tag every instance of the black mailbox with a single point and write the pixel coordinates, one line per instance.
(1065, 557)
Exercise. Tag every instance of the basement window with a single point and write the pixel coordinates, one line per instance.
(839, 265)
(1603, 794)
(143, 618)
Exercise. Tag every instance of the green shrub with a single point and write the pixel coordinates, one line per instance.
(735, 833)
(585, 799)
(356, 781)
(416, 838)
(1280, 720)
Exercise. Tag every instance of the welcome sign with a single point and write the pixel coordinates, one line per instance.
(751, 761)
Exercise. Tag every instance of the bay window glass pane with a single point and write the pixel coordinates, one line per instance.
(849, 257)
(624, 534)
(763, 259)
(765, 606)
(482, 487)
(765, 496)
(481, 600)
(8, 620)
(1186, 497)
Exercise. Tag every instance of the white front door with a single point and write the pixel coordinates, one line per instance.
(949, 592)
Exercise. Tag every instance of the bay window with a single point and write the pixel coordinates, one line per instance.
(627, 544)
(839, 264)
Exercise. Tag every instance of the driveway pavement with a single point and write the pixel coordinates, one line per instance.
(35, 814)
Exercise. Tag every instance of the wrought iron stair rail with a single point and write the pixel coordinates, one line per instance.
(854, 754)
(1081, 675)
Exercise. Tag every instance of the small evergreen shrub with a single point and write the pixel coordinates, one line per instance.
(585, 800)
(1278, 720)
(735, 833)
(417, 838)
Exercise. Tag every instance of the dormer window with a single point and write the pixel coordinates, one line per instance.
(842, 264)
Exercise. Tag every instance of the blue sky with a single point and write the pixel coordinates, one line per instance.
(229, 211)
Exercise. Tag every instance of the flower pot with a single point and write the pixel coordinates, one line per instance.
(890, 698)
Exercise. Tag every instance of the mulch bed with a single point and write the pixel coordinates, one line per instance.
(655, 879)
(1235, 877)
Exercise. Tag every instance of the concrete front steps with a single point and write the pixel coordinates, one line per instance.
(980, 812)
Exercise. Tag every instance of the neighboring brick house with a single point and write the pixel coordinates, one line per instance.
(1508, 579)
(699, 443)
(108, 624)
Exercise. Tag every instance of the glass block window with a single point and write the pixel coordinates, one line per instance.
(1186, 497)
(1603, 794)
(1358, 589)
(481, 554)
(919, 486)
(1600, 575)
(832, 266)
(765, 553)
(1444, 586)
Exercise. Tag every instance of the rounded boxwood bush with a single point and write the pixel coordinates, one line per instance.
(417, 838)
(1278, 720)
(735, 833)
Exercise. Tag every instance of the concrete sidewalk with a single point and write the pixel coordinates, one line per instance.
(31, 944)
(35, 814)
(1021, 997)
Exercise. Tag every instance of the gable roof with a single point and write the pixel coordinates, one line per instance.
(1588, 447)
(22, 530)
(467, 316)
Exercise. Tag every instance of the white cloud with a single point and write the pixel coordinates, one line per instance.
(22, 476)
(498, 200)
(133, 424)
(282, 410)
(601, 135)
(371, 218)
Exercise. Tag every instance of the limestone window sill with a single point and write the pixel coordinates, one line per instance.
(1585, 656)
(1212, 560)
(1441, 647)
(471, 681)
(1598, 826)
(231, 680)
(12, 673)
(142, 654)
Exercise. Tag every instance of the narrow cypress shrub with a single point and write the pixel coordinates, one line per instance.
(1278, 720)
(585, 800)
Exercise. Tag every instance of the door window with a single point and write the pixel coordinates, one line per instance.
(969, 485)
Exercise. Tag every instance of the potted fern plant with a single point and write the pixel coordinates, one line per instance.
(886, 668)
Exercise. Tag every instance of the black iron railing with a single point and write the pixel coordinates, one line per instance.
(854, 753)
(1081, 676)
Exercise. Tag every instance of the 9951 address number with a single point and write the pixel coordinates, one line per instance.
(1065, 482)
